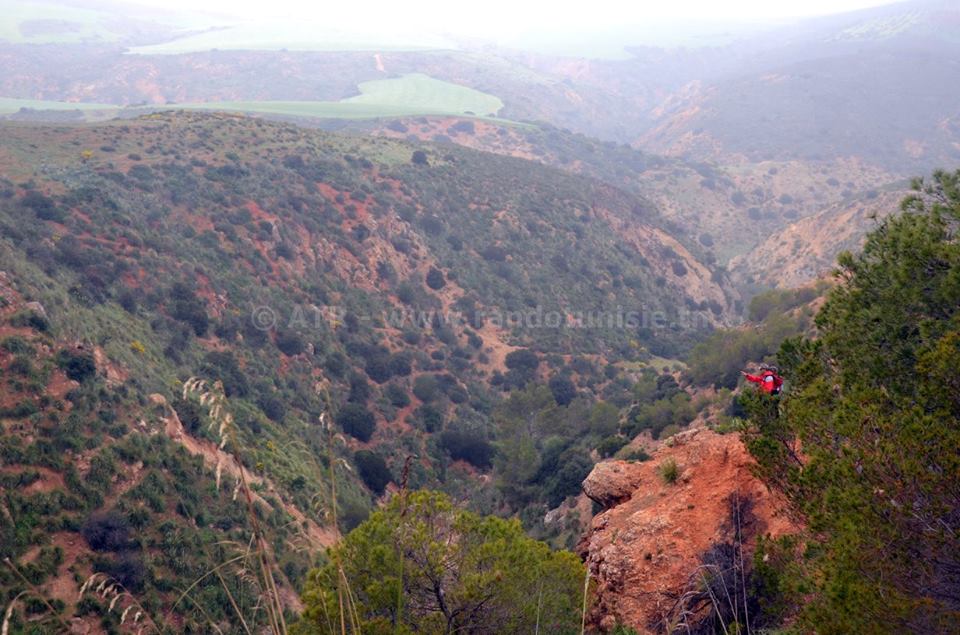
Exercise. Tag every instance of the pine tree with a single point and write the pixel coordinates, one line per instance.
(866, 442)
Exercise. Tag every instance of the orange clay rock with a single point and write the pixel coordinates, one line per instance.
(646, 550)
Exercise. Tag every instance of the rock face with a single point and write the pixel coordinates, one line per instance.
(646, 550)
(612, 482)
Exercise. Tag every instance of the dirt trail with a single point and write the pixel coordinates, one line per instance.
(216, 459)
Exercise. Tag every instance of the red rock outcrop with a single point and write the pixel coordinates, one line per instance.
(646, 549)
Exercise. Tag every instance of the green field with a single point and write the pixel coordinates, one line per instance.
(410, 95)
(413, 94)
(9, 106)
(292, 36)
(47, 23)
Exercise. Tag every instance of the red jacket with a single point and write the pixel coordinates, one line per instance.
(769, 381)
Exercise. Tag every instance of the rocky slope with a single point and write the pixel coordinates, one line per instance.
(808, 248)
(657, 542)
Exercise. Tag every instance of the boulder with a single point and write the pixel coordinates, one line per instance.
(612, 482)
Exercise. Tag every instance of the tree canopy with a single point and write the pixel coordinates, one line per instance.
(423, 565)
(866, 445)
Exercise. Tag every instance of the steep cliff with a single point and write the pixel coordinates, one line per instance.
(675, 530)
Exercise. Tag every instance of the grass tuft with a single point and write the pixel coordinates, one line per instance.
(669, 471)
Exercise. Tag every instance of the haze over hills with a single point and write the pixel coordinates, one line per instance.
(769, 95)
(357, 320)
(857, 98)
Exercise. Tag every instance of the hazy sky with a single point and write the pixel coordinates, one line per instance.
(494, 17)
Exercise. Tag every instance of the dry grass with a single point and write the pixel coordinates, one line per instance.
(255, 562)
(121, 601)
(31, 590)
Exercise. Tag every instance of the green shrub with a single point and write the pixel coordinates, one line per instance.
(107, 531)
(469, 447)
(78, 366)
(273, 406)
(636, 456)
(30, 319)
(426, 388)
(290, 342)
(873, 402)
(22, 410)
(17, 345)
(373, 470)
(669, 471)
(21, 365)
(397, 395)
(429, 418)
(563, 389)
(435, 279)
(357, 421)
(611, 445)
(497, 567)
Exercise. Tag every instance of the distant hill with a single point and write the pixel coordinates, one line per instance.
(869, 84)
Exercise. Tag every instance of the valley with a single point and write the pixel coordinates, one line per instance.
(319, 326)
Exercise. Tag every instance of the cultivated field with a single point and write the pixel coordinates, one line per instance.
(413, 94)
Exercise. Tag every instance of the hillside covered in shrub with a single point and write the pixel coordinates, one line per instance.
(429, 303)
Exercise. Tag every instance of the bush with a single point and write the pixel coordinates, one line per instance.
(636, 456)
(469, 447)
(419, 157)
(426, 388)
(611, 445)
(563, 389)
(188, 308)
(401, 364)
(189, 413)
(43, 206)
(373, 470)
(128, 569)
(494, 253)
(17, 345)
(357, 421)
(435, 279)
(272, 406)
(429, 418)
(290, 343)
(78, 366)
(359, 389)
(378, 368)
(566, 474)
(106, 531)
(523, 359)
(397, 395)
(604, 419)
(669, 471)
(874, 403)
(223, 365)
(21, 365)
(30, 319)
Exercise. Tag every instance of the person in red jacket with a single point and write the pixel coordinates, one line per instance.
(770, 382)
